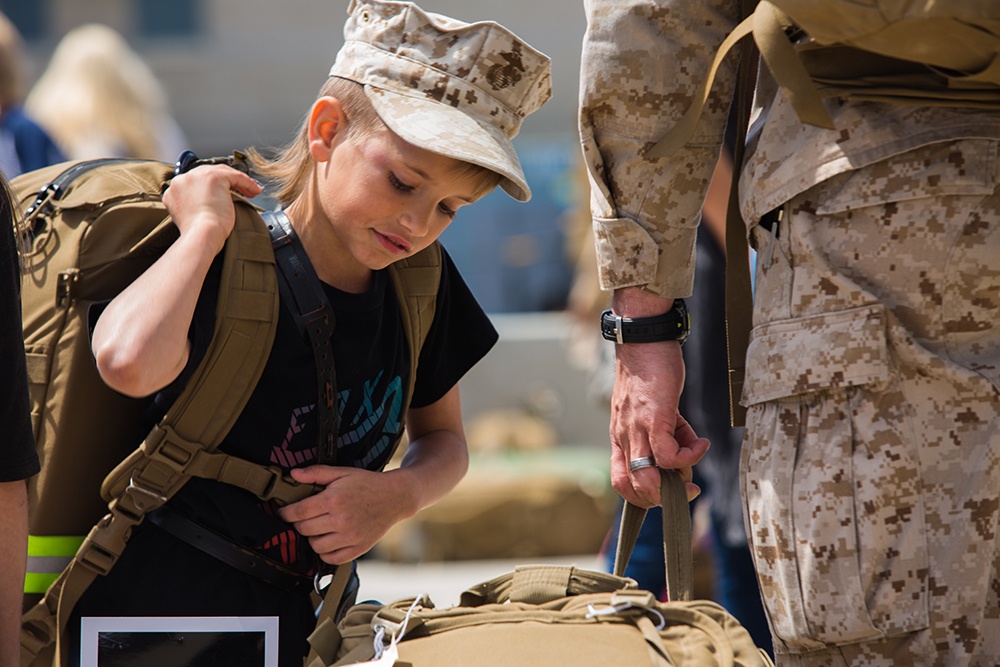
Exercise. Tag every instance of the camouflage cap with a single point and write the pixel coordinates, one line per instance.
(453, 88)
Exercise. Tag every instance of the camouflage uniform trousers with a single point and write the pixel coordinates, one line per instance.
(871, 466)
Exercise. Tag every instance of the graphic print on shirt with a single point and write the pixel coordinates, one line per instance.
(284, 455)
(361, 421)
(374, 426)
(370, 422)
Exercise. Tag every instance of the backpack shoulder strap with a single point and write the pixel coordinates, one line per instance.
(304, 297)
(739, 299)
(198, 420)
(417, 280)
(767, 25)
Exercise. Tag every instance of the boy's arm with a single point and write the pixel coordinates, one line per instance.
(358, 507)
(141, 342)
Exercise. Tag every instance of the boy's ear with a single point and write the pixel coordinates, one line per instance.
(326, 121)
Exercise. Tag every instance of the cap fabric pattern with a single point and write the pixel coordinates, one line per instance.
(454, 88)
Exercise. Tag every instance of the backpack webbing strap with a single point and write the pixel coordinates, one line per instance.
(767, 25)
(417, 280)
(676, 536)
(325, 638)
(739, 297)
(199, 419)
(305, 298)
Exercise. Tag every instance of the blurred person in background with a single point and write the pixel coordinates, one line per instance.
(98, 98)
(24, 145)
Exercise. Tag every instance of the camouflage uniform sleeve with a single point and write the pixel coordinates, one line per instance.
(642, 61)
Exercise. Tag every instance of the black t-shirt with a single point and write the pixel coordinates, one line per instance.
(159, 575)
(18, 459)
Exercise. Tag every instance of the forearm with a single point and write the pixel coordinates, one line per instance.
(13, 555)
(141, 341)
(637, 302)
(433, 465)
(437, 457)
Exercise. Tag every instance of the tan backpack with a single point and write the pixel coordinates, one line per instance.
(94, 227)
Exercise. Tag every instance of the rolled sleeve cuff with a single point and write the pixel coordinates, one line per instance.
(628, 256)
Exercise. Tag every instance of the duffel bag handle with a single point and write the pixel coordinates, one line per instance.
(538, 584)
(676, 536)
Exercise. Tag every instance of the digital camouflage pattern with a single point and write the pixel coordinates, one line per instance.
(642, 60)
(870, 475)
(871, 468)
(454, 88)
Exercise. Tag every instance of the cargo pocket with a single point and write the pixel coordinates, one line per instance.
(832, 482)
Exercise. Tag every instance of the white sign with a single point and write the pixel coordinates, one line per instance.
(248, 641)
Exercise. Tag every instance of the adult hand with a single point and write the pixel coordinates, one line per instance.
(350, 515)
(645, 421)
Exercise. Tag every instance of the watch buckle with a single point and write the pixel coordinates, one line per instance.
(618, 328)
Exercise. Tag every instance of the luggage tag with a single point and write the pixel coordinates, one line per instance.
(388, 659)
(386, 656)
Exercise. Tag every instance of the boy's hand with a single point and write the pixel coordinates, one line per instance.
(350, 515)
(200, 202)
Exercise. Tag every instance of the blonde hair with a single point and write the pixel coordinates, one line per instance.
(290, 169)
(11, 64)
(97, 87)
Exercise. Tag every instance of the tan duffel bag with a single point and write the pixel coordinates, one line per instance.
(553, 615)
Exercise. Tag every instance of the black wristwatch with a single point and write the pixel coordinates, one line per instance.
(675, 324)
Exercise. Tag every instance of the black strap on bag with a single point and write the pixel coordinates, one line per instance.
(303, 294)
(739, 300)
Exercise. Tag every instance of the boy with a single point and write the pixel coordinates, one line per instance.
(414, 123)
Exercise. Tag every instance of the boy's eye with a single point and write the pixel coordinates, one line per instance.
(398, 184)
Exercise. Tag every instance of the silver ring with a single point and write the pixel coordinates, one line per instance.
(644, 462)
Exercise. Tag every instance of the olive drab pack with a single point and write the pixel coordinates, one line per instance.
(921, 52)
(93, 228)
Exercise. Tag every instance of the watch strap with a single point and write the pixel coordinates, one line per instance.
(675, 324)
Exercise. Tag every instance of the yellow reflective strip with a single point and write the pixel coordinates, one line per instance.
(54, 545)
(35, 582)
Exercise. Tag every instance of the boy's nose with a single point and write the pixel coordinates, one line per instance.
(416, 221)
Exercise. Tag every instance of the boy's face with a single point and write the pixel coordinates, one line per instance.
(387, 199)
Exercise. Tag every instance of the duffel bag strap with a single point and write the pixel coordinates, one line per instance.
(539, 584)
(325, 639)
(676, 536)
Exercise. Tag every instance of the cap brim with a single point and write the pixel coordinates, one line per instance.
(443, 129)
